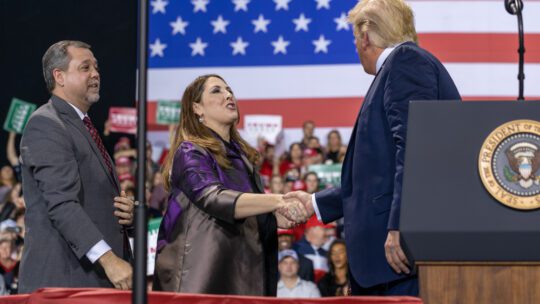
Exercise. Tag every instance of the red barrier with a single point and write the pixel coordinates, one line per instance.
(105, 296)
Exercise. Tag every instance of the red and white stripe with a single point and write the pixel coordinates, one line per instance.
(476, 40)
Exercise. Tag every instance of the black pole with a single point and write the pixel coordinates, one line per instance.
(521, 51)
(515, 7)
(141, 230)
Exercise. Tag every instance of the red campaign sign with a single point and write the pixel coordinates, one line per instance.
(123, 120)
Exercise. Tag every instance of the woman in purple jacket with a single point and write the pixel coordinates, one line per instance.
(218, 235)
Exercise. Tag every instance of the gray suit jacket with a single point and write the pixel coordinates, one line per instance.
(69, 199)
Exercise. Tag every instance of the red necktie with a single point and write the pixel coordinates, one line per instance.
(95, 135)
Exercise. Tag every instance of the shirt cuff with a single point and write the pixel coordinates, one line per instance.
(315, 207)
(99, 249)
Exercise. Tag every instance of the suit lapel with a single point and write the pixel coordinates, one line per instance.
(71, 117)
(254, 175)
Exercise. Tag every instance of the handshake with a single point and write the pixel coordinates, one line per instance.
(294, 208)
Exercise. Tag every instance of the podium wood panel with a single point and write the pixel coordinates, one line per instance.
(479, 282)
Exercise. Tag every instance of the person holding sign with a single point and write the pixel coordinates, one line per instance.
(219, 233)
(369, 198)
(75, 216)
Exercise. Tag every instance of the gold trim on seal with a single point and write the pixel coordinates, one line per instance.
(485, 164)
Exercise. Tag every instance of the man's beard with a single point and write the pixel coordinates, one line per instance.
(93, 98)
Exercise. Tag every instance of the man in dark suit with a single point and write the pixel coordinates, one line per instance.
(370, 195)
(75, 218)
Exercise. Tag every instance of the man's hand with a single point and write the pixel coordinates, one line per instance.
(394, 254)
(118, 271)
(124, 209)
(305, 198)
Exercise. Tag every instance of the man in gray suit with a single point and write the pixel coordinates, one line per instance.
(75, 218)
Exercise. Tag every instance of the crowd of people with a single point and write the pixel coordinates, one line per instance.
(323, 269)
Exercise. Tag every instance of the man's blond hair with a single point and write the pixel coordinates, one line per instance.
(388, 22)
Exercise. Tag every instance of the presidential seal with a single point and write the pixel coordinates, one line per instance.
(509, 164)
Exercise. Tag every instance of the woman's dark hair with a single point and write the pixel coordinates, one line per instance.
(330, 264)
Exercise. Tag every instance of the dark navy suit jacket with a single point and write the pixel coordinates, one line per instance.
(372, 174)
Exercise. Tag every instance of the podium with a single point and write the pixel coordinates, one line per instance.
(470, 216)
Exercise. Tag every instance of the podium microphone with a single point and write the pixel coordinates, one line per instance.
(515, 7)
(512, 6)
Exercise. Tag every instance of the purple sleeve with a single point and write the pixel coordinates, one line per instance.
(196, 174)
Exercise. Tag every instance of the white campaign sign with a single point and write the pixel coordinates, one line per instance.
(263, 126)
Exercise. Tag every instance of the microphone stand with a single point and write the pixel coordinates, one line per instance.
(515, 7)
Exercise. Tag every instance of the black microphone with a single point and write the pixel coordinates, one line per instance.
(513, 6)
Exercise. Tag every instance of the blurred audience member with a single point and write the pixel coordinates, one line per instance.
(336, 281)
(330, 231)
(151, 167)
(312, 157)
(335, 150)
(159, 196)
(7, 177)
(269, 164)
(308, 128)
(123, 165)
(285, 241)
(7, 207)
(290, 284)
(12, 156)
(293, 180)
(123, 148)
(277, 185)
(311, 244)
(9, 265)
(314, 143)
(293, 159)
(312, 182)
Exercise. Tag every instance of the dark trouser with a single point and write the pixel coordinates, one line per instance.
(403, 287)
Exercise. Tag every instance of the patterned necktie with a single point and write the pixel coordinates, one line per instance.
(95, 135)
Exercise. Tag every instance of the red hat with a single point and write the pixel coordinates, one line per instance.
(123, 160)
(122, 142)
(285, 232)
(313, 222)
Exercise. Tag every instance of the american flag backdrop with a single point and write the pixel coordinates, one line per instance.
(296, 58)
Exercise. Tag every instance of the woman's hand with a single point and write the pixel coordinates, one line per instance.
(293, 210)
(283, 222)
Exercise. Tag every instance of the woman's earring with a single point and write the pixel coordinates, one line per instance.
(201, 119)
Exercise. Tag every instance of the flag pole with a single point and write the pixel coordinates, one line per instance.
(139, 295)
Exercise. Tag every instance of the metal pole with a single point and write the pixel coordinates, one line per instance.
(515, 7)
(139, 295)
(521, 50)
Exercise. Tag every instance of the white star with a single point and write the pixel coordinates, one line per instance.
(220, 25)
(282, 4)
(301, 23)
(239, 46)
(199, 5)
(158, 6)
(198, 47)
(321, 44)
(157, 48)
(179, 26)
(341, 22)
(280, 45)
(323, 3)
(240, 5)
(260, 24)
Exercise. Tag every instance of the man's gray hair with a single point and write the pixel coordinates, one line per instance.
(57, 57)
